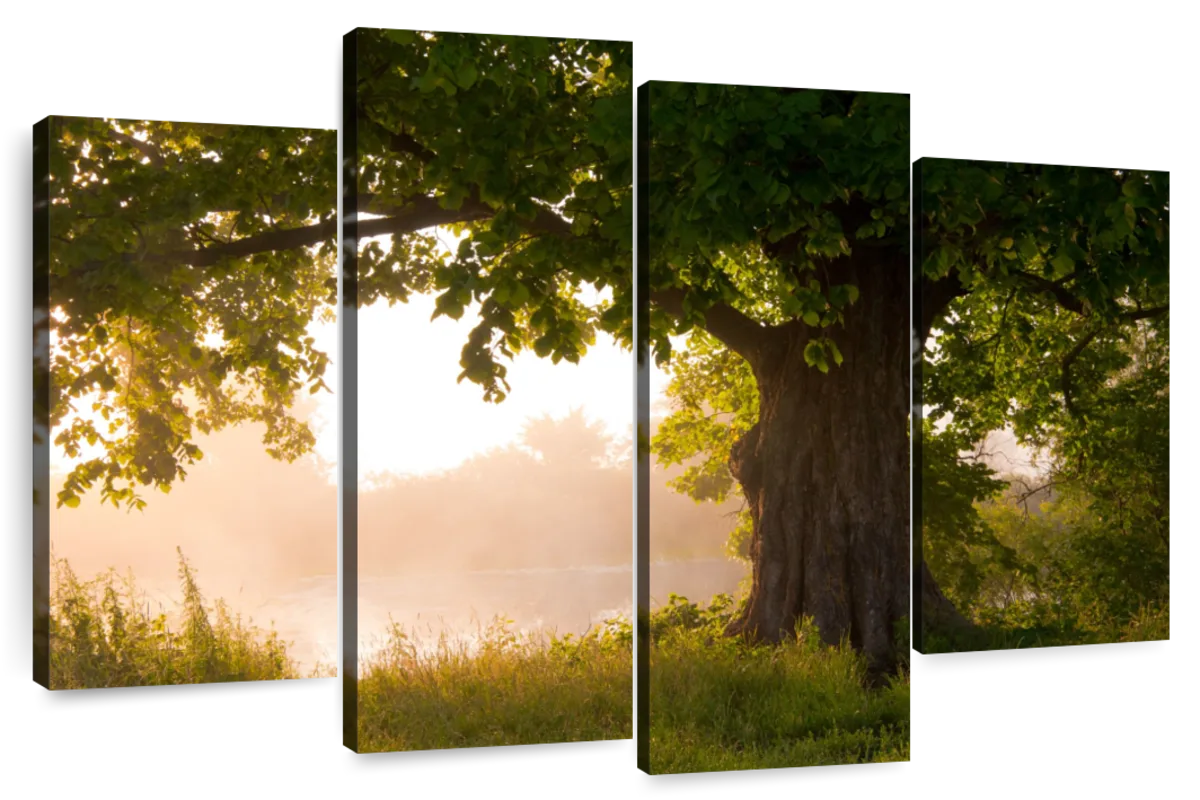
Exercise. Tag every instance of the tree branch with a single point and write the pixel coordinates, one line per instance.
(1065, 299)
(472, 208)
(418, 214)
(738, 332)
(1067, 386)
(1145, 313)
(397, 142)
(933, 297)
(286, 239)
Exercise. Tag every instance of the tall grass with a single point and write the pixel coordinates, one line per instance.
(103, 633)
(717, 703)
(502, 688)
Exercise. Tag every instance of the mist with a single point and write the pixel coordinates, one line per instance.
(688, 554)
(260, 533)
(536, 531)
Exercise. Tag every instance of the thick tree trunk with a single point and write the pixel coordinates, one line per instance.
(825, 473)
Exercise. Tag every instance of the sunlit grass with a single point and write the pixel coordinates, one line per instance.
(716, 703)
(498, 688)
(103, 633)
(720, 703)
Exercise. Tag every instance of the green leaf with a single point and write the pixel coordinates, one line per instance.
(520, 294)
(401, 37)
(466, 75)
(813, 352)
(1028, 248)
(1063, 265)
(834, 351)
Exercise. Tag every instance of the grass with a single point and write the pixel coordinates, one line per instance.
(505, 688)
(717, 703)
(720, 703)
(104, 634)
(1028, 624)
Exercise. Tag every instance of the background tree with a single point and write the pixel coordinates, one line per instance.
(186, 262)
(521, 148)
(526, 504)
(571, 444)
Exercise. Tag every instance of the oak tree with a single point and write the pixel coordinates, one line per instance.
(776, 224)
(781, 223)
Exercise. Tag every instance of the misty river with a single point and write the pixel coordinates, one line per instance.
(562, 600)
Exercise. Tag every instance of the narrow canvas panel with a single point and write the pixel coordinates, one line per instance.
(773, 283)
(184, 422)
(487, 462)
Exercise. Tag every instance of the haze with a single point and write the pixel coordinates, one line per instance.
(469, 509)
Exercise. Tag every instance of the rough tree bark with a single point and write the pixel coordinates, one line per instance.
(825, 471)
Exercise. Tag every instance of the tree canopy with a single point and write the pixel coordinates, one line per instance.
(521, 147)
(753, 193)
(186, 263)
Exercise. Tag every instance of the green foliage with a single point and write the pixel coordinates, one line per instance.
(520, 147)
(103, 634)
(187, 261)
(958, 545)
(1081, 553)
(753, 191)
(715, 401)
(1052, 259)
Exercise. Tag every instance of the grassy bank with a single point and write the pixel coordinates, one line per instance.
(716, 703)
(1042, 624)
(103, 633)
(503, 688)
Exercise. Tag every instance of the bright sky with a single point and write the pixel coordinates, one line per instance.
(414, 416)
